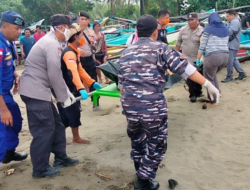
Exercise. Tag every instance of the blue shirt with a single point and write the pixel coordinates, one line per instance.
(7, 56)
(27, 44)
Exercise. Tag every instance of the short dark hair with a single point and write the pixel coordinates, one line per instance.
(163, 12)
(38, 26)
(27, 29)
(231, 12)
(95, 24)
(72, 38)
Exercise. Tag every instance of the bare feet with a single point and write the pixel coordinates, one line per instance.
(79, 140)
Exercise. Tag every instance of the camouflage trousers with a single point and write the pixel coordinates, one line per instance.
(149, 144)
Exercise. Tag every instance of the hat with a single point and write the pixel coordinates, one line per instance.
(60, 19)
(13, 18)
(83, 14)
(192, 16)
(146, 25)
(76, 28)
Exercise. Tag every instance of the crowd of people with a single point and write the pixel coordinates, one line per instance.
(63, 63)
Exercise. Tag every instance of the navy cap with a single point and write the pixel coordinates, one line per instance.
(13, 18)
(146, 24)
(83, 14)
(60, 19)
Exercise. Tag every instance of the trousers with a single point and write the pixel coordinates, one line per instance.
(233, 63)
(89, 65)
(47, 131)
(9, 139)
(149, 144)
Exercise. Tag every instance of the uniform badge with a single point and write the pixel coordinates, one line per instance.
(59, 51)
(1, 55)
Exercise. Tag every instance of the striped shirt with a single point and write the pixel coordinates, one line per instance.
(212, 44)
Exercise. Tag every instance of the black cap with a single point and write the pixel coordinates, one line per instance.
(192, 16)
(146, 25)
(83, 14)
(60, 19)
(12, 18)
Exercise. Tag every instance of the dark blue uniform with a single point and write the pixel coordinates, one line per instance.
(142, 77)
(8, 135)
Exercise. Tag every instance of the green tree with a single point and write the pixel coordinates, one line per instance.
(40, 9)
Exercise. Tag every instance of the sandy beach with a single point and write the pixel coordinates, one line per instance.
(207, 149)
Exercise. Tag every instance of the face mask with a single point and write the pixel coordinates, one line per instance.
(166, 21)
(66, 33)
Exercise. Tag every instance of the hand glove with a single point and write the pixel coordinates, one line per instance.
(198, 62)
(72, 97)
(247, 30)
(97, 86)
(67, 103)
(84, 94)
(212, 91)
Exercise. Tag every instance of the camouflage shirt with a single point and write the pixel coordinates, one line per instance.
(142, 77)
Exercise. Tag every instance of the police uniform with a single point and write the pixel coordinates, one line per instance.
(9, 135)
(189, 40)
(142, 77)
(41, 73)
(88, 62)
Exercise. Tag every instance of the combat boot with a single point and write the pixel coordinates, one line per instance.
(11, 155)
(64, 161)
(141, 184)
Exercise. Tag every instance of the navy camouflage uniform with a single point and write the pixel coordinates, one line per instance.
(142, 77)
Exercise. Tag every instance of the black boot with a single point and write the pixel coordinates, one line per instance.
(141, 184)
(64, 161)
(153, 183)
(241, 76)
(11, 155)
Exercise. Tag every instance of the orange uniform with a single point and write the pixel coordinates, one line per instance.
(73, 73)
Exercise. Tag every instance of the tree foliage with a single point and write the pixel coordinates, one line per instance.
(34, 10)
(39, 9)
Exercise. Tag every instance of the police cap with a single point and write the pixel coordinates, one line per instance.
(12, 18)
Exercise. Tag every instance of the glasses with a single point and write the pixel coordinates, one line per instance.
(19, 22)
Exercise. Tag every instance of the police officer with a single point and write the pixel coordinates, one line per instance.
(189, 41)
(11, 120)
(87, 50)
(141, 81)
(41, 73)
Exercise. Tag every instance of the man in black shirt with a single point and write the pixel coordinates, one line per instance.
(245, 22)
(163, 20)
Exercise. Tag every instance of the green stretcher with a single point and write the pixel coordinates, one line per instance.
(110, 90)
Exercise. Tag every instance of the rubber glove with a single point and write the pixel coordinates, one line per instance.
(198, 62)
(84, 94)
(97, 86)
(67, 103)
(72, 97)
(247, 30)
(212, 91)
